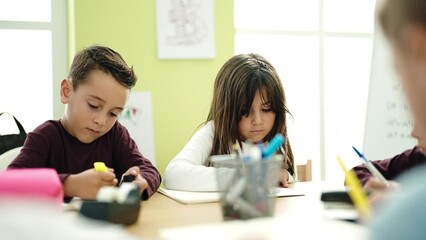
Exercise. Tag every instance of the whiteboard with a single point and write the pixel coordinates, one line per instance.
(138, 119)
(388, 123)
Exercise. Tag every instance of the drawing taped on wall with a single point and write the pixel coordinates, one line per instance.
(185, 29)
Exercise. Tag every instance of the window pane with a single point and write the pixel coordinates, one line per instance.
(291, 15)
(349, 15)
(347, 63)
(296, 60)
(25, 10)
(26, 75)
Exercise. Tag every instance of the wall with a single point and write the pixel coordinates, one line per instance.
(181, 89)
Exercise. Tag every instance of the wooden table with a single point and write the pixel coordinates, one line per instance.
(162, 212)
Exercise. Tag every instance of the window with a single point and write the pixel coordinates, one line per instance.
(322, 50)
(33, 58)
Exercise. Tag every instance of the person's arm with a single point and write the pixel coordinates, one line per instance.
(33, 154)
(392, 167)
(36, 150)
(152, 177)
(189, 170)
(127, 156)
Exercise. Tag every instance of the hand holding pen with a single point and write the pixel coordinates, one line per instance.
(378, 185)
(372, 168)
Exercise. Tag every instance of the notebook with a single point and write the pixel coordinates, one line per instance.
(187, 197)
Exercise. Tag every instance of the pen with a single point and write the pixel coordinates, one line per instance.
(356, 192)
(371, 167)
(100, 167)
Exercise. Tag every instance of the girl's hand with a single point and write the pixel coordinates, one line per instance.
(284, 178)
(139, 180)
(86, 185)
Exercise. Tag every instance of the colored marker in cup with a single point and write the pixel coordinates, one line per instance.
(273, 146)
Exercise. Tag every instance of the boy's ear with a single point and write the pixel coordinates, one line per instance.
(66, 89)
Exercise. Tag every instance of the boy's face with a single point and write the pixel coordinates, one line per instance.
(259, 121)
(92, 109)
(410, 64)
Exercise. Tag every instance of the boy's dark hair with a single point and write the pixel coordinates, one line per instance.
(104, 59)
(395, 15)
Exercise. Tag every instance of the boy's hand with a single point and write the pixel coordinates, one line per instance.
(379, 190)
(139, 180)
(284, 178)
(86, 185)
(374, 184)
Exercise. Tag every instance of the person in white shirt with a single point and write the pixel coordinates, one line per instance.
(248, 104)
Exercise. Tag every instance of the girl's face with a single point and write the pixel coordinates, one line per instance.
(93, 108)
(259, 121)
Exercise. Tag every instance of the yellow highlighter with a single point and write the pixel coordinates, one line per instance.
(100, 167)
(356, 192)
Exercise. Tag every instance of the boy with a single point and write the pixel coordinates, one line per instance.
(404, 24)
(94, 95)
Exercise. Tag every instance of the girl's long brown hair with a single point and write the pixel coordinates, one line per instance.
(235, 87)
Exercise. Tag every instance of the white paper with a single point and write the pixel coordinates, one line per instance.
(288, 192)
(137, 118)
(187, 197)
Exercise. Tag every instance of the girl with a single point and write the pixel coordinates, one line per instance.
(248, 103)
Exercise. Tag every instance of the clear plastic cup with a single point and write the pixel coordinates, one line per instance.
(247, 189)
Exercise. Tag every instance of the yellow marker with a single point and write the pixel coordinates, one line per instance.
(100, 167)
(356, 192)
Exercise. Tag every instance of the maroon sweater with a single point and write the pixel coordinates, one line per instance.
(51, 146)
(392, 167)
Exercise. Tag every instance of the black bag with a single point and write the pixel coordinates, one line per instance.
(12, 141)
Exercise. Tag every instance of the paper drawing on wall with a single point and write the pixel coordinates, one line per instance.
(138, 119)
(131, 114)
(185, 29)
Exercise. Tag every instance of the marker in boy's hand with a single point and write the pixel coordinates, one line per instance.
(86, 184)
(100, 167)
(139, 180)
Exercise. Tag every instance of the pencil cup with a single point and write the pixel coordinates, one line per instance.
(247, 189)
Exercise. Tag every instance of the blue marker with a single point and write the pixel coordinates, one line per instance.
(371, 167)
(273, 146)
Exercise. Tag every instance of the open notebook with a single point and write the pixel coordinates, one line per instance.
(187, 197)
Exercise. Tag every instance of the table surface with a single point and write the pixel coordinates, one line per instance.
(161, 212)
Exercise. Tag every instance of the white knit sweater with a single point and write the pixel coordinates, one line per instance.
(189, 170)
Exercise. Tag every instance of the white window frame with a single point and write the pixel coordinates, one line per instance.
(59, 29)
(321, 34)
